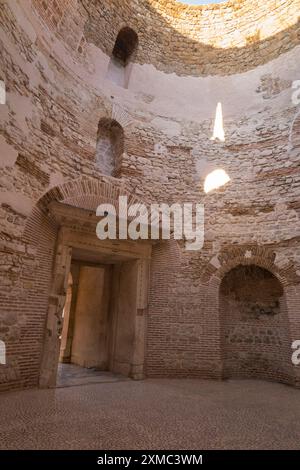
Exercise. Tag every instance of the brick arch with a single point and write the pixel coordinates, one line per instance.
(261, 256)
(41, 234)
(85, 193)
(265, 258)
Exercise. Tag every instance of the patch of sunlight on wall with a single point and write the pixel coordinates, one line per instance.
(215, 180)
(219, 126)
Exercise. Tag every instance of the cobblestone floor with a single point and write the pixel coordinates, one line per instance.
(153, 414)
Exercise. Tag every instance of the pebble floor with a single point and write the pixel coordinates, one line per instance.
(153, 414)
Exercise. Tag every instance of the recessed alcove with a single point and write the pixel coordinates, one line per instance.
(253, 315)
(109, 146)
(119, 68)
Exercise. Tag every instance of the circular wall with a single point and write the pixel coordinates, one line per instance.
(202, 40)
(55, 60)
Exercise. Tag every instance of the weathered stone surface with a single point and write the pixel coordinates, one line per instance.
(54, 61)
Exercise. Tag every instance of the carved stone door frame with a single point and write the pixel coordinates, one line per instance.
(68, 240)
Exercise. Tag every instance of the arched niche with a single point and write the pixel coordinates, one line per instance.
(119, 67)
(109, 146)
(255, 336)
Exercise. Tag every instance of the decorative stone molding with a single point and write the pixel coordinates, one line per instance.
(71, 208)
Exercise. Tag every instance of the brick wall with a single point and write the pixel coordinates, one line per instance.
(55, 100)
(253, 315)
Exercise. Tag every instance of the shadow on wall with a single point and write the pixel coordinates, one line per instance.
(165, 47)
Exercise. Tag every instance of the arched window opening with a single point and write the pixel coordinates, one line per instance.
(254, 325)
(218, 133)
(125, 45)
(215, 180)
(120, 64)
(110, 146)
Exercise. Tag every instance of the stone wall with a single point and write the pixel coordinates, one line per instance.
(256, 340)
(54, 61)
(204, 40)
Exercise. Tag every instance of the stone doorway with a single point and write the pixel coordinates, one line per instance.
(98, 317)
(98, 303)
(86, 321)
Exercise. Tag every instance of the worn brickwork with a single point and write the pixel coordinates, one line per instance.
(53, 59)
(255, 334)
